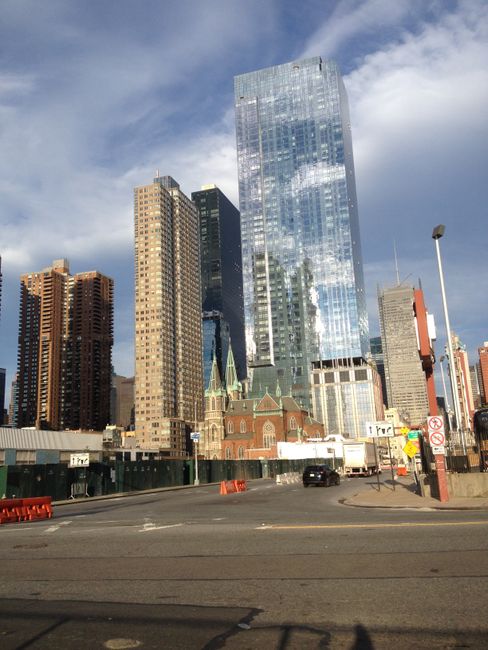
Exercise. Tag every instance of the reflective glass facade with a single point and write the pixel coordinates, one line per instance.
(303, 278)
(216, 337)
(221, 273)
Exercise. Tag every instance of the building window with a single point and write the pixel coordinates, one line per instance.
(243, 427)
(228, 453)
(230, 427)
(293, 423)
(269, 437)
(269, 440)
(240, 453)
(213, 433)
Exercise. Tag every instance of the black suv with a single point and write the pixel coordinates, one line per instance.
(320, 475)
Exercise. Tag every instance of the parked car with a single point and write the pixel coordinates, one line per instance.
(320, 475)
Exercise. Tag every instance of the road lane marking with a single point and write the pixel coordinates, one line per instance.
(53, 529)
(150, 526)
(399, 525)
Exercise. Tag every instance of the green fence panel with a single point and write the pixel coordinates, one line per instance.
(3, 481)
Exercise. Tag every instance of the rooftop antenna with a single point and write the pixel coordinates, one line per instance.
(396, 263)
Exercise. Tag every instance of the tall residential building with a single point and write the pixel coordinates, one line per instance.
(0, 285)
(406, 384)
(303, 275)
(483, 371)
(64, 353)
(91, 340)
(168, 337)
(221, 269)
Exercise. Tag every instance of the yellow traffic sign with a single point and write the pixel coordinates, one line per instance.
(404, 431)
(410, 449)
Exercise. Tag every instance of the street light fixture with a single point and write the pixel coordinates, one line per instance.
(437, 233)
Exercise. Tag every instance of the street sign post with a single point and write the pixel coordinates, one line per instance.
(437, 439)
(79, 460)
(435, 423)
(410, 449)
(379, 430)
(195, 436)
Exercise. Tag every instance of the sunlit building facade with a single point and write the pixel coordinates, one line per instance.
(303, 277)
(405, 379)
(65, 349)
(168, 310)
(346, 395)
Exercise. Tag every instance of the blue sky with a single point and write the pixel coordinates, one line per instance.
(97, 95)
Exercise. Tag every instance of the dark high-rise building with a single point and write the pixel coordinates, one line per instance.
(64, 353)
(222, 296)
(379, 359)
(216, 340)
(2, 394)
(304, 298)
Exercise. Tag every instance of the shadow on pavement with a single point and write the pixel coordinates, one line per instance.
(44, 625)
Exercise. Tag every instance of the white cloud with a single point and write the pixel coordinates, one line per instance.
(353, 18)
(418, 113)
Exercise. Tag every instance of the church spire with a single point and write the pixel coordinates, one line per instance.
(233, 385)
(215, 382)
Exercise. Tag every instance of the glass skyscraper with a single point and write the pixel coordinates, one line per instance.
(221, 272)
(303, 276)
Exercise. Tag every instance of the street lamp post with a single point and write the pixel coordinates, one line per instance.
(437, 233)
(448, 406)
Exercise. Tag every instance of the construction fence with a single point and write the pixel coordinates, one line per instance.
(62, 482)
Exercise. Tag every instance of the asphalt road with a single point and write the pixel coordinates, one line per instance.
(274, 567)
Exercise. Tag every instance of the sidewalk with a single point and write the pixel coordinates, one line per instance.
(404, 496)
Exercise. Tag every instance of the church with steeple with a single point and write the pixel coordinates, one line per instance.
(237, 428)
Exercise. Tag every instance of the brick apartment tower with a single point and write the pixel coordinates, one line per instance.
(91, 340)
(64, 352)
(168, 336)
(483, 371)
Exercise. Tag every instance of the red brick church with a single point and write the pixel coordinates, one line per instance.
(241, 429)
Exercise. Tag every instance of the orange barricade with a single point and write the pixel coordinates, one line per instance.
(227, 487)
(38, 508)
(241, 486)
(12, 510)
(230, 487)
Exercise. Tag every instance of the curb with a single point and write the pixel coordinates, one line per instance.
(117, 495)
(345, 502)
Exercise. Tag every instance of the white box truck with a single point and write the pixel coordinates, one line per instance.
(359, 459)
